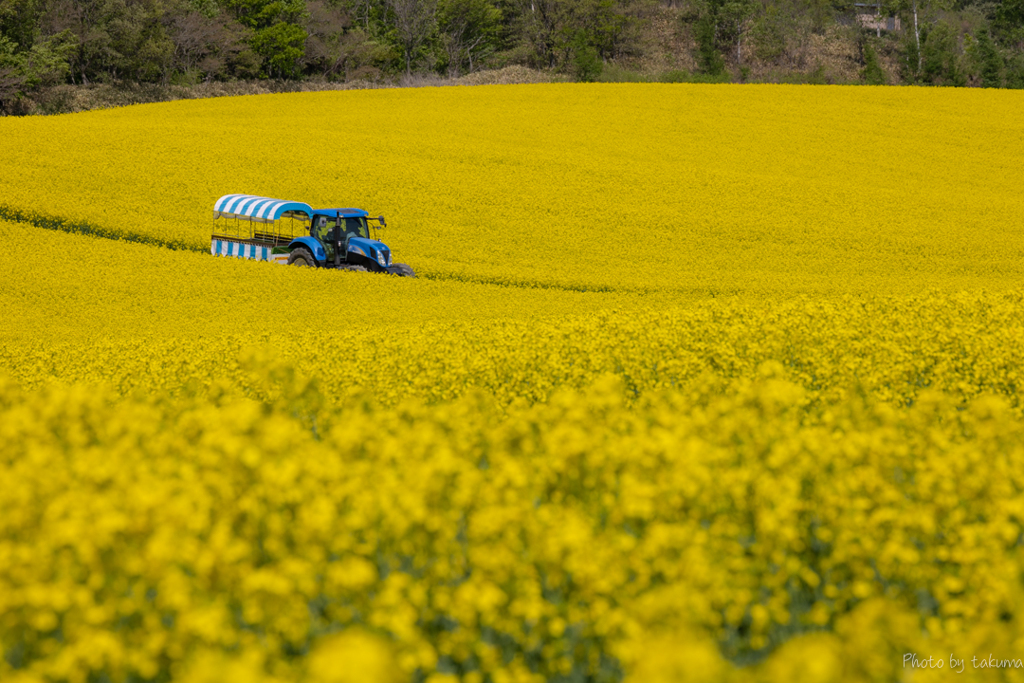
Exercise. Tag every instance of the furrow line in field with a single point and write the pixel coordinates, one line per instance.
(527, 284)
(79, 227)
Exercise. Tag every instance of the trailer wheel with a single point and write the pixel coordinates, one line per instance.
(301, 257)
(401, 270)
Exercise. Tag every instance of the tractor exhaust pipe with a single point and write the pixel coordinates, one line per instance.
(337, 240)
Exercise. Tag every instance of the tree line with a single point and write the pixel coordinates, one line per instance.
(49, 42)
(937, 42)
(84, 41)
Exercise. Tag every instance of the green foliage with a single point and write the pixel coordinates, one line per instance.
(676, 76)
(872, 72)
(586, 65)
(336, 47)
(11, 79)
(1008, 23)
(206, 8)
(559, 33)
(940, 53)
(719, 27)
(186, 42)
(705, 34)
(277, 39)
(19, 22)
(282, 47)
(411, 28)
(769, 34)
(44, 63)
(1015, 72)
(991, 62)
(262, 14)
(819, 13)
(909, 58)
(819, 76)
(469, 32)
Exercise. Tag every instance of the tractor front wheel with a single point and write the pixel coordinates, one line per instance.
(301, 257)
(402, 270)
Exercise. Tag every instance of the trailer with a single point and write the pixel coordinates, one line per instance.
(294, 233)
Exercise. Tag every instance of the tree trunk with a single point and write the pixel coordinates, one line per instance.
(917, 37)
(469, 52)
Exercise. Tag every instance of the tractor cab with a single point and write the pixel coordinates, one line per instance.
(347, 239)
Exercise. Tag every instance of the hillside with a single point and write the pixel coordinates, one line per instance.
(682, 189)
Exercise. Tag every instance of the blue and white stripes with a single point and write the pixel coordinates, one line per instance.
(258, 208)
(219, 247)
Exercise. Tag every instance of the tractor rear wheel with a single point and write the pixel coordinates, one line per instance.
(301, 257)
(402, 270)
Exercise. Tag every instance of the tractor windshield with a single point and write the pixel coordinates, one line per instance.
(356, 227)
(323, 227)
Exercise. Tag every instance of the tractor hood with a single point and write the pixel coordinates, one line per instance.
(367, 247)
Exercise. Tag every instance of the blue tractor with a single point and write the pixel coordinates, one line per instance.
(265, 229)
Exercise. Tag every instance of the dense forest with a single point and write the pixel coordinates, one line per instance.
(50, 43)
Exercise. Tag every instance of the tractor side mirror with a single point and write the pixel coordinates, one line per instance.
(382, 223)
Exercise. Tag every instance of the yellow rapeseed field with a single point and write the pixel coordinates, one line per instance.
(685, 188)
(698, 384)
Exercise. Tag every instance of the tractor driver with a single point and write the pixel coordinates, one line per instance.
(323, 230)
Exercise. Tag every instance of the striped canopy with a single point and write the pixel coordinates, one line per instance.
(258, 208)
